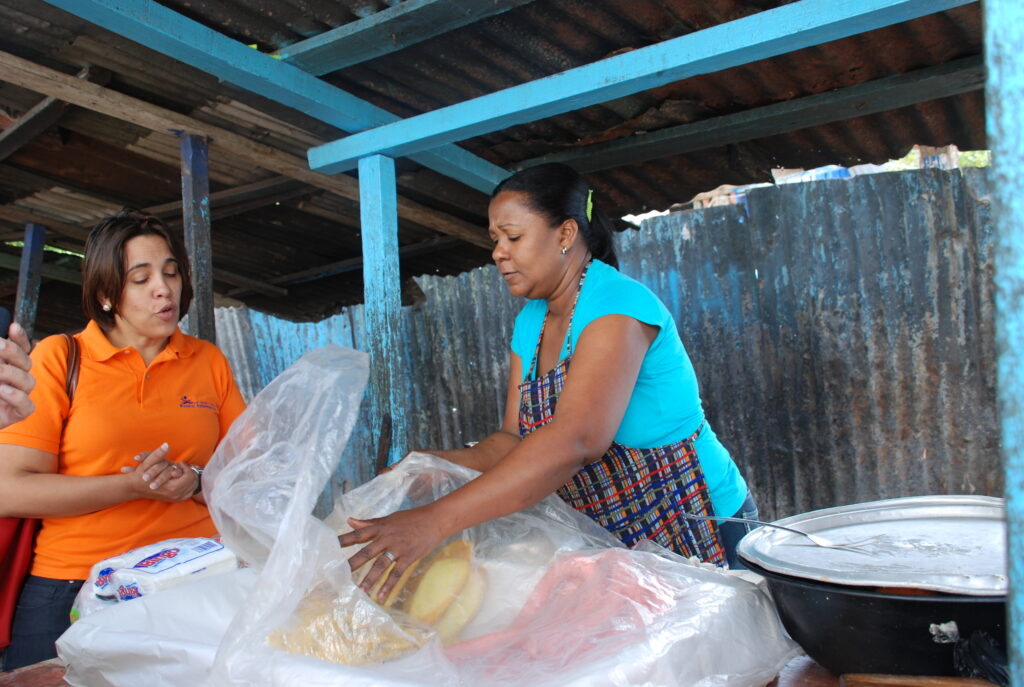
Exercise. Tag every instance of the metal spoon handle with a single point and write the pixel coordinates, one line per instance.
(692, 516)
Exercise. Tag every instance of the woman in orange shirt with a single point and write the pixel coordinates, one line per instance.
(120, 466)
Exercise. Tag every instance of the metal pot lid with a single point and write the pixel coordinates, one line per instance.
(954, 544)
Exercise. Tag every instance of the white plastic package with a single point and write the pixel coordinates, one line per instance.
(562, 602)
(150, 569)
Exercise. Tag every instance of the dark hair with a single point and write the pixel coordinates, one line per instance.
(559, 193)
(103, 273)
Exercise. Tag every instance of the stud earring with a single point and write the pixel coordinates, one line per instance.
(106, 307)
(564, 249)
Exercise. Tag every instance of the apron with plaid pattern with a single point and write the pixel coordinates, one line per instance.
(634, 493)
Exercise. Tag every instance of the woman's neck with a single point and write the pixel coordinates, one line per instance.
(561, 301)
(148, 348)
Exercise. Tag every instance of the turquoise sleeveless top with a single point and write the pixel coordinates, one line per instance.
(665, 406)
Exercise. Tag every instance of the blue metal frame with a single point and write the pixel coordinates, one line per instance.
(158, 28)
(759, 36)
(1004, 96)
(378, 214)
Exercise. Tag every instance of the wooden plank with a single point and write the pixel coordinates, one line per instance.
(351, 264)
(877, 680)
(248, 284)
(880, 95)
(382, 299)
(26, 303)
(388, 31)
(755, 37)
(32, 76)
(195, 210)
(240, 199)
(188, 41)
(41, 117)
(1003, 22)
(48, 271)
(13, 213)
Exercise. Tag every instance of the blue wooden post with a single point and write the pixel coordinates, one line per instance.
(382, 289)
(30, 276)
(1004, 103)
(195, 210)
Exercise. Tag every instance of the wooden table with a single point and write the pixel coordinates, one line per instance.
(46, 674)
(802, 671)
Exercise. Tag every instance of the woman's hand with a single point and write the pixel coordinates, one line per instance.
(16, 382)
(160, 479)
(403, 537)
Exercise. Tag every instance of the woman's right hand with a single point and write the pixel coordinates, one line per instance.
(160, 479)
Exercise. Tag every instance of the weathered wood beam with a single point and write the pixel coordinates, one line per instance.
(382, 298)
(388, 31)
(26, 303)
(880, 95)
(248, 285)
(12, 213)
(195, 210)
(751, 38)
(32, 76)
(48, 271)
(352, 264)
(175, 35)
(240, 199)
(16, 215)
(41, 117)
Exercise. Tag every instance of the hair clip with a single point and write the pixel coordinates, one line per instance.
(590, 203)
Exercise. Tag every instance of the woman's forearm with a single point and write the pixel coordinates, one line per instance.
(46, 495)
(484, 455)
(523, 478)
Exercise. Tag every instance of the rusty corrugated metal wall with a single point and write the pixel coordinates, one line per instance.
(841, 330)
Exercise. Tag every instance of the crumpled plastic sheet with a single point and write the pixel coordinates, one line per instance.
(564, 603)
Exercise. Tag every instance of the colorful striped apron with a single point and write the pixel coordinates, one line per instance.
(634, 493)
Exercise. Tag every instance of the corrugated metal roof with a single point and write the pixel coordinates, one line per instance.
(527, 42)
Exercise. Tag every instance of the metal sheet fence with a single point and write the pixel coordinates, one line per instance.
(842, 333)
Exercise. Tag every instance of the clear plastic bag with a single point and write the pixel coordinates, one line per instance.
(562, 601)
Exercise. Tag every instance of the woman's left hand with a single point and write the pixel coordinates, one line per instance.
(407, 536)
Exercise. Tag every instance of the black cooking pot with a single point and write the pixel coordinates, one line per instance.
(858, 630)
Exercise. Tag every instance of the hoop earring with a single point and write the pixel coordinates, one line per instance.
(564, 249)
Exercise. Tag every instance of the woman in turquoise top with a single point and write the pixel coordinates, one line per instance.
(621, 436)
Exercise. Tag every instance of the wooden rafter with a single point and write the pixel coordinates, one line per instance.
(388, 31)
(50, 82)
(240, 199)
(45, 114)
(351, 264)
(755, 37)
(162, 29)
(880, 95)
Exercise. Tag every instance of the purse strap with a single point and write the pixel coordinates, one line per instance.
(74, 363)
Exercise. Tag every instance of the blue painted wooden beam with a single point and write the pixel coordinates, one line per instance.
(30, 277)
(195, 213)
(388, 31)
(759, 36)
(382, 289)
(158, 28)
(1004, 105)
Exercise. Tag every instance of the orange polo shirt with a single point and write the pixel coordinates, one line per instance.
(186, 397)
